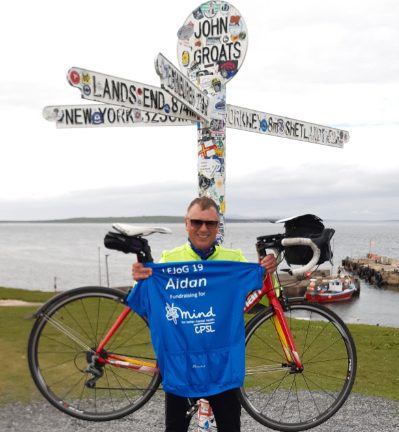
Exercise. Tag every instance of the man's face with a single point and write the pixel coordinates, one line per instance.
(202, 236)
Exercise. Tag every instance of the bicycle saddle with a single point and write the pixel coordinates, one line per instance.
(136, 230)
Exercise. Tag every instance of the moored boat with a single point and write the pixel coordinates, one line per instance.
(340, 289)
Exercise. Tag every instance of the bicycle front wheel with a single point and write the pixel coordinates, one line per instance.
(61, 346)
(293, 401)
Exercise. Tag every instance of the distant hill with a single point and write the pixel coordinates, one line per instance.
(132, 219)
(110, 219)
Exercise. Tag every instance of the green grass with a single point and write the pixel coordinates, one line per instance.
(378, 356)
(377, 349)
(15, 381)
(25, 295)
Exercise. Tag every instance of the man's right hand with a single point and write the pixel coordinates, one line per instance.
(140, 272)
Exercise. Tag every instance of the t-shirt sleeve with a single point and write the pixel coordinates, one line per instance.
(137, 299)
(249, 277)
(258, 274)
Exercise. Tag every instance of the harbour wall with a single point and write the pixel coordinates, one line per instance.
(374, 269)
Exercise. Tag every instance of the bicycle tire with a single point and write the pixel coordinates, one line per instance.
(57, 360)
(288, 401)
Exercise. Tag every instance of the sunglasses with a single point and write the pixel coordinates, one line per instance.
(197, 223)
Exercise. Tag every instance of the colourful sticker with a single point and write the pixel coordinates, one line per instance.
(86, 90)
(86, 78)
(263, 125)
(185, 58)
(74, 77)
(97, 118)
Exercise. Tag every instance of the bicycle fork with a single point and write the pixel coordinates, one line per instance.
(270, 284)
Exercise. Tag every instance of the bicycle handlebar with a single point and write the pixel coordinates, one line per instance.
(301, 241)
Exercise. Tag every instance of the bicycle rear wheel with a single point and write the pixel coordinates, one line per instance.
(61, 344)
(287, 401)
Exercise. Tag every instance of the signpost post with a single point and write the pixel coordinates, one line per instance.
(211, 47)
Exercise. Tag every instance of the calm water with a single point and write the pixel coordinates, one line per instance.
(37, 256)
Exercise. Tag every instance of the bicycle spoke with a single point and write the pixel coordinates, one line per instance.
(286, 401)
(109, 389)
(263, 368)
(267, 344)
(57, 365)
(120, 385)
(71, 387)
(76, 322)
(129, 337)
(67, 331)
(72, 349)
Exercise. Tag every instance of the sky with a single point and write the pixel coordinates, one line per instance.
(334, 63)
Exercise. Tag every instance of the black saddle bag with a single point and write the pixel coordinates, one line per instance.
(308, 226)
(129, 244)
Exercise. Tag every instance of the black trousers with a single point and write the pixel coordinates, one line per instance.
(226, 408)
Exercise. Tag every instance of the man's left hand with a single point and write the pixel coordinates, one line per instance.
(269, 263)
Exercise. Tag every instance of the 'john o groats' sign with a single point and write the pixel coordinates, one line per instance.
(212, 43)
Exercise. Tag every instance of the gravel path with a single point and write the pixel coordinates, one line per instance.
(359, 414)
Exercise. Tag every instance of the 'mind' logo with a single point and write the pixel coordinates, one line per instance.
(174, 313)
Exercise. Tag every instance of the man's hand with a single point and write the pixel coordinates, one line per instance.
(140, 272)
(269, 263)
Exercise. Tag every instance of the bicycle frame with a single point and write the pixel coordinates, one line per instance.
(118, 360)
(270, 284)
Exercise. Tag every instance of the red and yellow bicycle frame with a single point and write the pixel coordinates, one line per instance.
(269, 288)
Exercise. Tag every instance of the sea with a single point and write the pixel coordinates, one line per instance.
(61, 256)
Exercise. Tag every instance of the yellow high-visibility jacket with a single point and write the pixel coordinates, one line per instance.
(186, 253)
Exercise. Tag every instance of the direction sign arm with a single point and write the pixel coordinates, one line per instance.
(179, 86)
(111, 90)
(284, 127)
(104, 115)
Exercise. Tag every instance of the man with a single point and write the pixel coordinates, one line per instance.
(202, 223)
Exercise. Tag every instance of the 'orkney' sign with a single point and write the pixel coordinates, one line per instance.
(284, 127)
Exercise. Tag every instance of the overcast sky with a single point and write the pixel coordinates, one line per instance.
(334, 63)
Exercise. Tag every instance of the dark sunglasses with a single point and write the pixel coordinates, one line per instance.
(197, 223)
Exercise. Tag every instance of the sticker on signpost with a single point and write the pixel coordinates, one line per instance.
(212, 43)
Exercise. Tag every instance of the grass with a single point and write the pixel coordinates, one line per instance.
(378, 355)
(377, 349)
(25, 295)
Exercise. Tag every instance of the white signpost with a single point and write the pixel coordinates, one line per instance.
(211, 48)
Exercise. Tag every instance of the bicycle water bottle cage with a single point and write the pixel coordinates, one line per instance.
(129, 244)
(307, 226)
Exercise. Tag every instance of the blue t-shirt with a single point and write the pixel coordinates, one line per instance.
(196, 319)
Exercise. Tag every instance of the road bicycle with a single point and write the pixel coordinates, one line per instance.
(91, 356)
